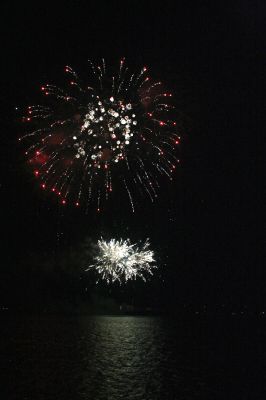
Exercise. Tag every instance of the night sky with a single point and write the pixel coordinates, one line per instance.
(205, 225)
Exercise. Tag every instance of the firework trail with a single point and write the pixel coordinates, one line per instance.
(119, 260)
(86, 141)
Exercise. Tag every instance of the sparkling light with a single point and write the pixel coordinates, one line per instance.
(118, 131)
(119, 260)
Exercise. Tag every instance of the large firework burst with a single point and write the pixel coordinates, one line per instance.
(89, 140)
(119, 260)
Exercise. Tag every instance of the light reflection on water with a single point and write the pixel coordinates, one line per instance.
(120, 358)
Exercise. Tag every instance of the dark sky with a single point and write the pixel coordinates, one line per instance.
(205, 226)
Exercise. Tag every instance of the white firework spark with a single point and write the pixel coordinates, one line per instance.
(119, 260)
(88, 140)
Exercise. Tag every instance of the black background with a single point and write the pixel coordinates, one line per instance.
(205, 227)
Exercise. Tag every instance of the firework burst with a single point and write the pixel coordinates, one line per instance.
(86, 141)
(119, 260)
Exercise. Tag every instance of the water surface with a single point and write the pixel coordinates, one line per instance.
(124, 357)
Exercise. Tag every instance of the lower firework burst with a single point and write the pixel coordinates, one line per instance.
(87, 141)
(119, 260)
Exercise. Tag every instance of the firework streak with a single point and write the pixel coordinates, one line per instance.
(119, 260)
(87, 141)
